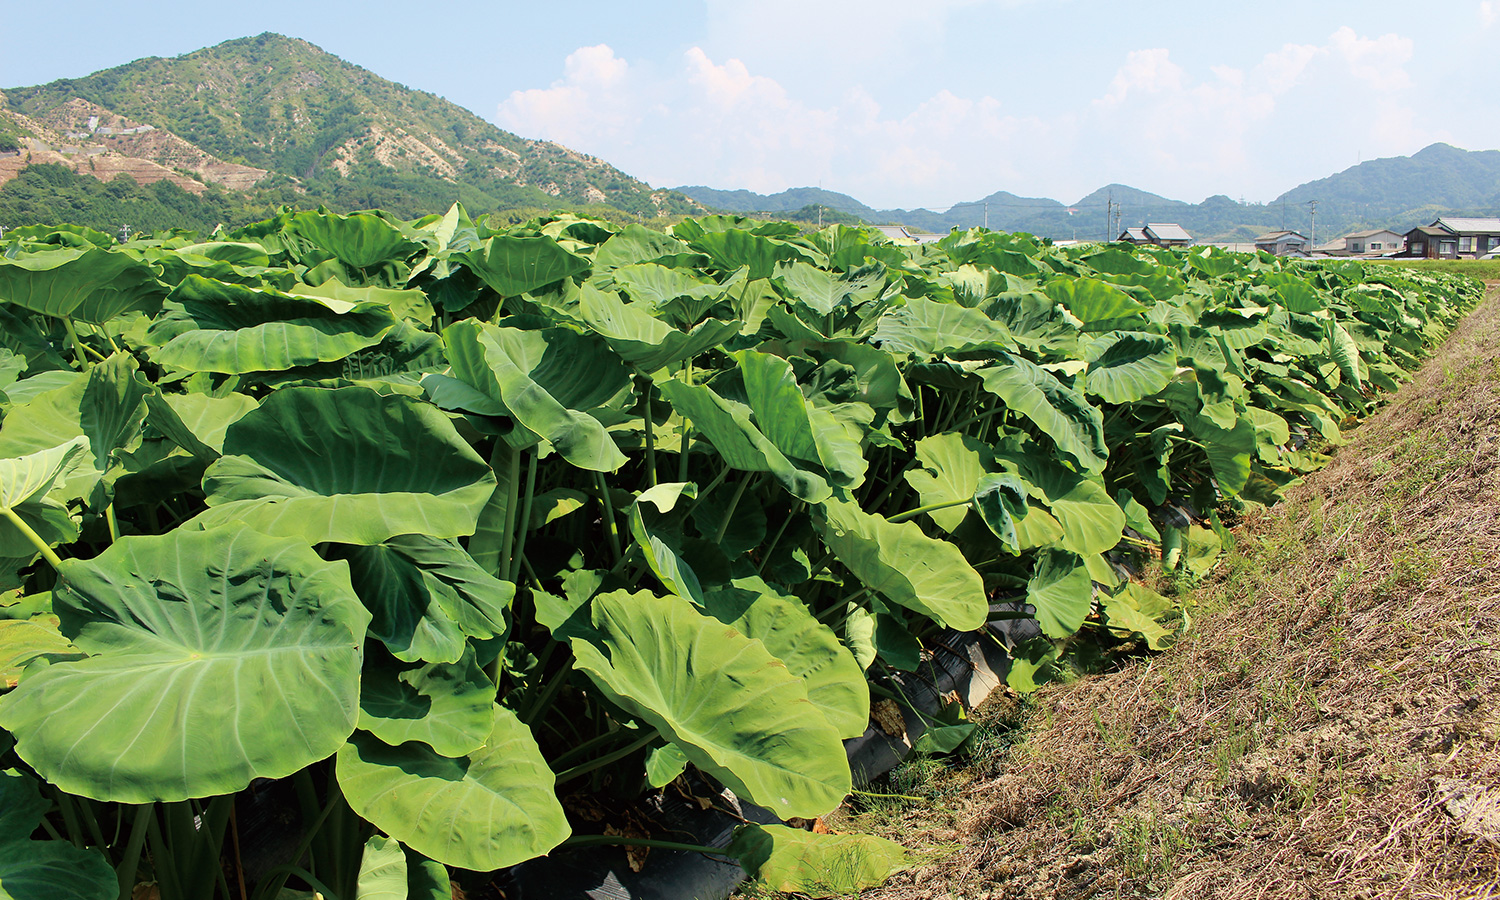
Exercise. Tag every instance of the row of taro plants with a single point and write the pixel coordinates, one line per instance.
(459, 535)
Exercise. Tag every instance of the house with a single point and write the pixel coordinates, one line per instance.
(1454, 237)
(1162, 234)
(1283, 243)
(1431, 242)
(1378, 242)
(1476, 237)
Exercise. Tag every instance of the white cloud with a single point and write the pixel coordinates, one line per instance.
(1488, 14)
(720, 124)
(1148, 71)
(589, 102)
(725, 123)
(1378, 61)
(1225, 131)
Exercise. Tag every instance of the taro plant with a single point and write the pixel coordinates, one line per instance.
(460, 534)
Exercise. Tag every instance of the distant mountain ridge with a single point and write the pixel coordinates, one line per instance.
(272, 111)
(1398, 192)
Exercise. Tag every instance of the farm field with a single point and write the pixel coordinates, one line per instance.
(1484, 269)
(443, 543)
(1329, 729)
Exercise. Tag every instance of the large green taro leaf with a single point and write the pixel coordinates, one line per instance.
(547, 380)
(485, 811)
(727, 425)
(824, 291)
(210, 326)
(654, 286)
(808, 648)
(25, 640)
(30, 870)
(733, 248)
(447, 706)
(906, 566)
(1001, 502)
(407, 304)
(382, 870)
(347, 465)
(105, 405)
(926, 328)
(1091, 522)
(952, 465)
(1061, 592)
(643, 340)
(1229, 450)
(30, 477)
(1346, 354)
(427, 595)
(220, 657)
(733, 709)
(662, 552)
(197, 422)
(388, 871)
(1060, 412)
(514, 265)
(22, 806)
(1298, 295)
(797, 428)
(1092, 301)
(55, 870)
(638, 244)
(815, 865)
(1127, 366)
(360, 240)
(91, 285)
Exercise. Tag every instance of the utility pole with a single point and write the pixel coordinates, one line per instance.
(1313, 238)
(1109, 211)
(986, 215)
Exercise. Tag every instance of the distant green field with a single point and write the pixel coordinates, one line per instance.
(1485, 269)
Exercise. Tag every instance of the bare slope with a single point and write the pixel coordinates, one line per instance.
(1331, 729)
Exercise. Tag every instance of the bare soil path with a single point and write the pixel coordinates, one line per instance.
(1329, 729)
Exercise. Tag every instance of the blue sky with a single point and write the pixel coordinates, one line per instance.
(912, 103)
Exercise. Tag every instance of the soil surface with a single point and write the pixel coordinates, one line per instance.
(1330, 727)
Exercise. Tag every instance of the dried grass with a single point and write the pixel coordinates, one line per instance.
(1343, 675)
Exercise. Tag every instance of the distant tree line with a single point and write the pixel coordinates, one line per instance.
(51, 194)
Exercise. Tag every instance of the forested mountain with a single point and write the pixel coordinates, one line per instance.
(1399, 193)
(272, 118)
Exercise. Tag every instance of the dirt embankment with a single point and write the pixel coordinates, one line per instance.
(1330, 729)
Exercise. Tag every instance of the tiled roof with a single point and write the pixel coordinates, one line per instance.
(1489, 225)
(1271, 237)
(1167, 231)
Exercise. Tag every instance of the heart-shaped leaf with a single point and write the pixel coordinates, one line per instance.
(485, 811)
(220, 657)
(347, 465)
(732, 708)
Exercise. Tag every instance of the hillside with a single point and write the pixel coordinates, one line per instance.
(1400, 192)
(1438, 176)
(271, 112)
